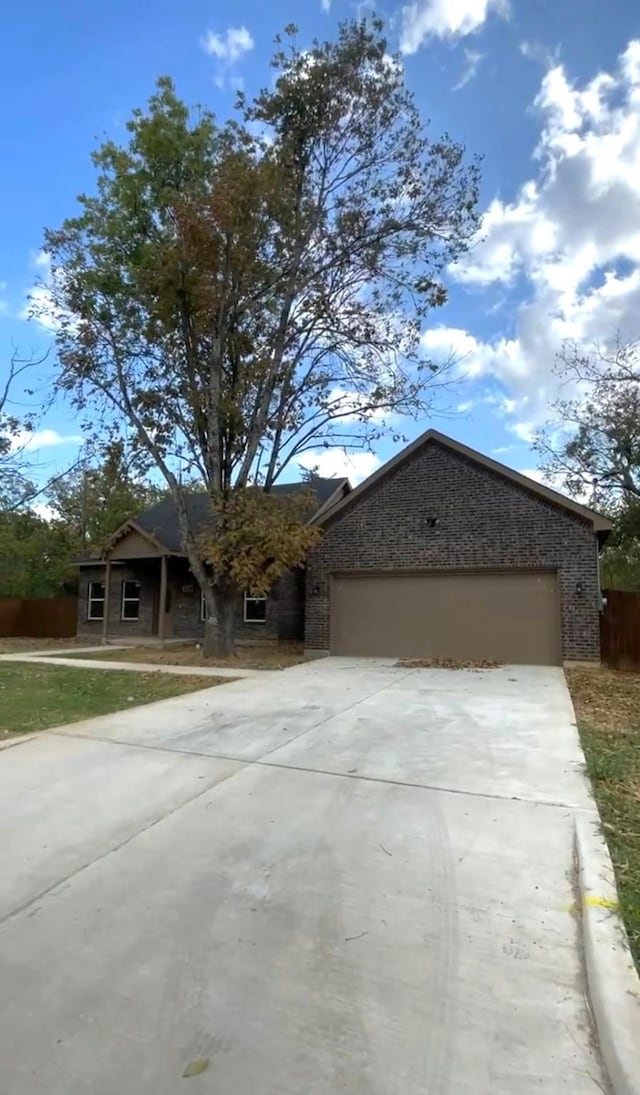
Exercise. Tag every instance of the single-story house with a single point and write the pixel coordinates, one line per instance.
(140, 586)
(442, 552)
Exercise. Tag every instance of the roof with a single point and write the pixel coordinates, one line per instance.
(160, 523)
(599, 523)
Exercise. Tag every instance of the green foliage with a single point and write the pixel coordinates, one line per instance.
(92, 502)
(34, 556)
(620, 563)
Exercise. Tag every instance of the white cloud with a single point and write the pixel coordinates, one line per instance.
(42, 260)
(524, 430)
(472, 60)
(571, 236)
(229, 46)
(326, 5)
(227, 49)
(473, 357)
(43, 439)
(332, 463)
(425, 19)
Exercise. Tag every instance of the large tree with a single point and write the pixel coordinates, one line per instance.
(240, 294)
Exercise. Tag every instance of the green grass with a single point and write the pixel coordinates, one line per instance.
(34, 697)
(608, 710)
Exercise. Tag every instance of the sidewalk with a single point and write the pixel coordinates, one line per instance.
(45, 658)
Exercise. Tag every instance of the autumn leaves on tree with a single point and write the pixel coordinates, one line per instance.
(235, 295)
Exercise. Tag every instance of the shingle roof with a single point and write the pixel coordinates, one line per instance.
(161, 521)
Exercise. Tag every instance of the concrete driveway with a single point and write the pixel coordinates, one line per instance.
(344, 877)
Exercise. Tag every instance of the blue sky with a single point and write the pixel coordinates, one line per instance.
(548, 91)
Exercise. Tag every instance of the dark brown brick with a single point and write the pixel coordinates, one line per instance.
(484, 521)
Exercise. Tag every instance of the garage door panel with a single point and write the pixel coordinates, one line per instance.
(506, 617)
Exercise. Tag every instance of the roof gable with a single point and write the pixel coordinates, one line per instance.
(599, 523)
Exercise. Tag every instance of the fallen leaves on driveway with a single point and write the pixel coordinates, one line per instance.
(445, 663)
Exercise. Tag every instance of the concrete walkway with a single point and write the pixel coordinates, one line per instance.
(78, 662)
(344, 877)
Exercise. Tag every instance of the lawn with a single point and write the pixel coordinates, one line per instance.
(608, 710)
(34, 697)
(279, 656)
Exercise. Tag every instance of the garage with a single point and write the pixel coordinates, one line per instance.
(501, 616)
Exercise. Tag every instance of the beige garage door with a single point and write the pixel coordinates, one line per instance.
(505, 617)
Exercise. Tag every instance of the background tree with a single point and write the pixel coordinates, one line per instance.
(620, 563)
(94, 500)
(22, 478)
(238, 300)
(594, 446)
(35, 556)
(16, 424)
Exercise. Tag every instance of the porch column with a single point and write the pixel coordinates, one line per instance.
(163, 597)
(107, 599)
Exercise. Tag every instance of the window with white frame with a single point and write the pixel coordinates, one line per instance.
(130, 601)
(95, 601)
(255, 609)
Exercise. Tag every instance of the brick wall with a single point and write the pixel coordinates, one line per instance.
(483, 521)
(147, 575)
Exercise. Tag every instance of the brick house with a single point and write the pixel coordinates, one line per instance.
(442, 552)
(141, 587)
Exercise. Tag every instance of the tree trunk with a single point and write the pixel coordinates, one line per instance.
(219, 628)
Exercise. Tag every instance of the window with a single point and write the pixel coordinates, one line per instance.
(95, 601)
(130, 601)
(255, 609)
(203, 609)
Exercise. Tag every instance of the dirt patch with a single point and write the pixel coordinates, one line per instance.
(278, 656)
(26, 646)
(444, 663)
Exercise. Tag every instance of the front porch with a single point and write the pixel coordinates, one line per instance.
(158, 601)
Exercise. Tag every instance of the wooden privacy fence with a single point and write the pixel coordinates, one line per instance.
(38, 617)
(620, 630)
